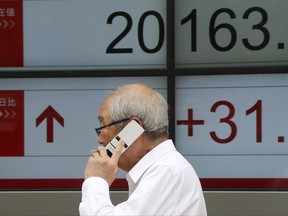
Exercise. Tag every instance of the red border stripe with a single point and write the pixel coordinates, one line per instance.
(244, 183)
(121, 184)
(51, 184)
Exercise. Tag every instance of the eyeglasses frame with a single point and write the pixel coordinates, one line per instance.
(98, 130)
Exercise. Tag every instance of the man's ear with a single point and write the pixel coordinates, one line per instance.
(138, 120)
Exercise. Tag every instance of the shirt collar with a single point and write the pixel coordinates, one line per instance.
(150, 158)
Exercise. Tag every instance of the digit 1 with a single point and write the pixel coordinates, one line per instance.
(193, 17)
(257, 107)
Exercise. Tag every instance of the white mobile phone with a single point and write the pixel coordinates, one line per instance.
(129, 133)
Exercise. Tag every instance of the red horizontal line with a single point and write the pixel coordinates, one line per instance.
(118, 184)
(244, 183)
(55, 184)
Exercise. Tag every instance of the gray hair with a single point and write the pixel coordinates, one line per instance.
(150, 106)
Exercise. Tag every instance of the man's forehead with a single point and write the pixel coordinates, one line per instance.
(104, 111)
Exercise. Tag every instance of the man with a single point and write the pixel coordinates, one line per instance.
(161, 181)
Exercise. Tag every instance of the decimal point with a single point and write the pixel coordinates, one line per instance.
(281, 46)
(281, 139)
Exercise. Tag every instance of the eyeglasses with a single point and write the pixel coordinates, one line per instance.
(98, 130)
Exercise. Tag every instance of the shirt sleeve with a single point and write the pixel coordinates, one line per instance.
(95, 197)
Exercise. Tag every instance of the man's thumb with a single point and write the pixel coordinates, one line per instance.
(117, 153)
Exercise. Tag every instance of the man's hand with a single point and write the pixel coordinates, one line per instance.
(101, 165)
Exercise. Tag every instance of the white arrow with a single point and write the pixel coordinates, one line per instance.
(7, 113)
(5, 24)
(13, 114)
(12, 23)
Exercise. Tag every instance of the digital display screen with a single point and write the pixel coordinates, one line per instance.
(234, 127)
(90, 34)
(47, 128)
(227, 33)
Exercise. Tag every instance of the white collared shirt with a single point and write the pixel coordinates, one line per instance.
(163, 182)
